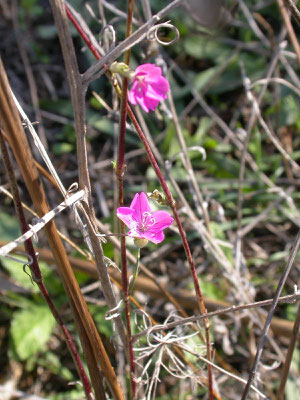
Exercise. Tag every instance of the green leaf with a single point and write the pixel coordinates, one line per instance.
(9, 227)
(15, 270)
(47, 31)
(292, 390)
(62, 148)
(62, 107)
(170, 144)
(71, 395)
(52, 362)
(289, 110)
(104, 326)
(205, 48)
(31, 330)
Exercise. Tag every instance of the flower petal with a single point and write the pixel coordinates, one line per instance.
(155, 237)
(142, 102)
(154, 95)
(162, 220)
(132, 97)
(150, 103)
(160, 84)
(148, 69)
(140, 205)
(125, 214)
(149, 87)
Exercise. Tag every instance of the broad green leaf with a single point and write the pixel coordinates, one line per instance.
(30, 330)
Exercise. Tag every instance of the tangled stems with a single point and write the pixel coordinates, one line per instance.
(182, 233)
(167, 192)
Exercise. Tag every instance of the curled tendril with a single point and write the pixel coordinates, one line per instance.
(146, 321)
(25, 264)
(200, 149)
(72, 188)
(152, 34)
(107, 36)
(110, 263)
(114, 312)
(22, 253)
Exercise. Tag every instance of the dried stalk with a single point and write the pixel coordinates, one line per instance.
(78, 100)
(93, 348)
(288, 361)
(36, 272)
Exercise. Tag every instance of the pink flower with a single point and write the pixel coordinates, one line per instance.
(142, 222)
(149, 87)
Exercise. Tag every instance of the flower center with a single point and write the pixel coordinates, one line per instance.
(146, 222)
(141, 83)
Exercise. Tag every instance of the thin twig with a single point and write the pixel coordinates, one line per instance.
(237, 378)
(187, 162)
(294, 10)
(41, 222)
(288, 361)
(290, 299)
(289, 27)
(280, 286)
(190, 171)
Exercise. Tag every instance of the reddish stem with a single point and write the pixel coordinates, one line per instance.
(120, 175)
(120, 170)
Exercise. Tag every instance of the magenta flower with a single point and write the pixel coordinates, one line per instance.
(149, 87)
(142, 222)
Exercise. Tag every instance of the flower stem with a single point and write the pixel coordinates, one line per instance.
(136, 271)
(36, 272)
(182, 233)
(120, 170)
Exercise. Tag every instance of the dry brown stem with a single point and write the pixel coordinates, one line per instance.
(93, 348)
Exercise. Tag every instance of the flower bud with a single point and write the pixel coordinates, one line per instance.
(122, 69)
(140, 242)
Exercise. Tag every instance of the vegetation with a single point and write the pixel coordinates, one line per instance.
(220, 154)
